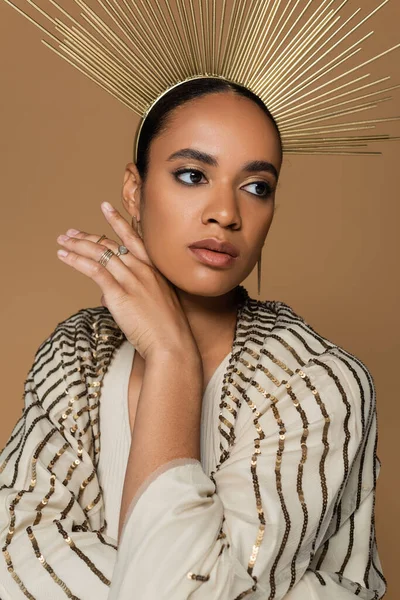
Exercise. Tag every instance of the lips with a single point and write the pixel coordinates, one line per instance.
(216, 246)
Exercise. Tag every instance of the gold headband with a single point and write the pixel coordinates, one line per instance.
(293, 55)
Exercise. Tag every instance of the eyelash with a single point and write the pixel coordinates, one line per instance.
(269, 189)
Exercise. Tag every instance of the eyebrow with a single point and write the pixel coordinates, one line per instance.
(253, 166)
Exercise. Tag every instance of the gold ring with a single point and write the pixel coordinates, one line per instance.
(103, 237)
(105, 257)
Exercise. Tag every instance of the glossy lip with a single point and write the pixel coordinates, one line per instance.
(212, 258)
(217, 246)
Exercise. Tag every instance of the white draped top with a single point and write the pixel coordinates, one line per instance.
(279, 506)
(116, 433)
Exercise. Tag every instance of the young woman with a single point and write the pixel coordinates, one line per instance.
(185, 440)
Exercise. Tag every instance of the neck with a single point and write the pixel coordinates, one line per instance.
(212, 320)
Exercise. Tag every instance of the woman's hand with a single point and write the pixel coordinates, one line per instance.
(141, 300)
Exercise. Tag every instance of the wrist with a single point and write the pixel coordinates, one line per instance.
(186, 357)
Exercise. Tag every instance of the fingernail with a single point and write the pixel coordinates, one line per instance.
(62, 253)
(107, 206)
(62, 238)
(73, 232)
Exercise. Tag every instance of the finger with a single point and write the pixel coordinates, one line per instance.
(95, 271)
(127, 276)
(93, 237)
(125, 232)
(107, 242)
(128, 259)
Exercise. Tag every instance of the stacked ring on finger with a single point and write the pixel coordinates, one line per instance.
(105, 257)
(107, 254)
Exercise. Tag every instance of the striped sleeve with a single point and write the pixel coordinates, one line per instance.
(51, 529)
(289, 514)
(347, 562)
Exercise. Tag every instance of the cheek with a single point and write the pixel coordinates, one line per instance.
(259, 223)
(169, 209)
(168, 220)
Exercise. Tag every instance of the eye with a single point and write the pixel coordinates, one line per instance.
(263, 189)
(194, 176)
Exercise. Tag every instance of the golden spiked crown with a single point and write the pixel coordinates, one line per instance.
(298, 56)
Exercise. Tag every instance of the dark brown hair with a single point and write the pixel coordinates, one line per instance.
(157, 120)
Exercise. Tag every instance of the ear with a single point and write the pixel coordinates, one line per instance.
(131, 190)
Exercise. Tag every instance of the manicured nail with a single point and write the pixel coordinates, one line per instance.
(73, 232)
(107, 206)
(62, 253)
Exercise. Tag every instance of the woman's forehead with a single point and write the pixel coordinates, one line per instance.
(221, 124)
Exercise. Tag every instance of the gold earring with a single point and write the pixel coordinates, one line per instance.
(137, 227)
(259, 274)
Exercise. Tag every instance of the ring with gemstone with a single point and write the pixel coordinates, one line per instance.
(122, 250)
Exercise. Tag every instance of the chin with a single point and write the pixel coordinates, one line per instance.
(205, 287)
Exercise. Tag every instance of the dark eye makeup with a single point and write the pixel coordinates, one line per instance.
(268, 189)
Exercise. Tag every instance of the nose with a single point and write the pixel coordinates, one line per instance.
(222, 207)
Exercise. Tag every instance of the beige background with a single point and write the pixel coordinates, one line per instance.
(332, 252)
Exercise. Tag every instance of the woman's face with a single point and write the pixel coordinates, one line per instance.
(209, 190)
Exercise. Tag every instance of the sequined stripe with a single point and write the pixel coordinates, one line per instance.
(51, 389)
(23, 442)
(362, 393)
(225, 392)
(18, 434)
(322, 555)
(103, 541)
(345, 427)
(261, 367)
(81, 554)
(372, 538)
(225, 455)
(46, 566)
(358, 588)
(261, 531)
(308, 330)
(287, 312)
(259, 506)
(278, 362)
(372, 415)
(14, 450)
(352, 516)
(21, 493)
(18, 581)
(319, 577)
(11, 509)
(85, 483)
(92, 504)
(254, 328)
(230, 437)
(307, 346)
(337, 350)
(379, 573)
(278, 478)
(41, 364)
(57, 456)
(61, 334)
(324, 487)
(299, 482)
(262, 312)
(337, 506)
(288, 347)
(47, 497)
(246, 363)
